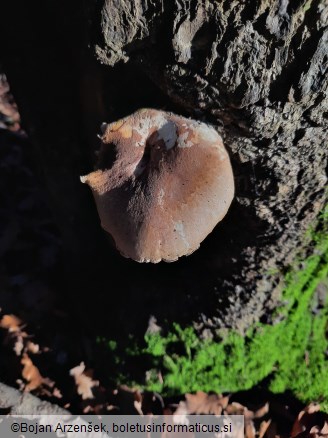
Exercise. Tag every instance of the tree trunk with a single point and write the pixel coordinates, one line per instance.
(255, 70)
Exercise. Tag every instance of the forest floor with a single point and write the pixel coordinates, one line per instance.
(45, 350)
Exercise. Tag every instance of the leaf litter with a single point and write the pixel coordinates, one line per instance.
(83, 381)
(22, 346)
(260, 421)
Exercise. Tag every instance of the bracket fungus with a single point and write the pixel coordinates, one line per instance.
(163, 183)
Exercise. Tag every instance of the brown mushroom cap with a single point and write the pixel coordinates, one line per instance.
(163, 183)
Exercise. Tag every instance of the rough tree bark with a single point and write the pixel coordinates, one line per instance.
(256, 70)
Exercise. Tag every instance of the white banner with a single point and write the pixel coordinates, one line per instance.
(116, 426)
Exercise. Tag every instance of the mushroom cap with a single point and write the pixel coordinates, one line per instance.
(163, 183)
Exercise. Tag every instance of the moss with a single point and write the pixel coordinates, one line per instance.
(290, 354)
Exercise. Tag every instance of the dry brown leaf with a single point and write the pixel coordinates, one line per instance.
(32, 375)
(315, 430)
(10, 322)
(132, 391)
(56, 393)
(152, 326)
(33, 348)
(19, 345)
(138, 407)
(250, 431)
(130, 399)
(261, 412)
(83, 382)
(207, 404)
(311, 422)
(14, 327)
(312, 408)
(181, 412)
(138, 399)
(264, 427)
(324, 430)
(235, 408)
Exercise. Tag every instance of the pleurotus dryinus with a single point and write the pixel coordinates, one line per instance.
(163, 183)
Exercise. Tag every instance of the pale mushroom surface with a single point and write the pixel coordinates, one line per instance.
(163, 183)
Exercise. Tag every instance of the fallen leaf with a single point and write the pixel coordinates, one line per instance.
(83, 382)
(263, 428)
(13, 325)
(56, 393)
(324, 430)
(10, 322)
(250, 431)
(235, 408)
(153, 327)
(129, 399)
(19, 345)
(181, 412)
(32, 375)
(33, 348)
(311, 423)
(216, 404)
(206, 404)
(261, 411)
